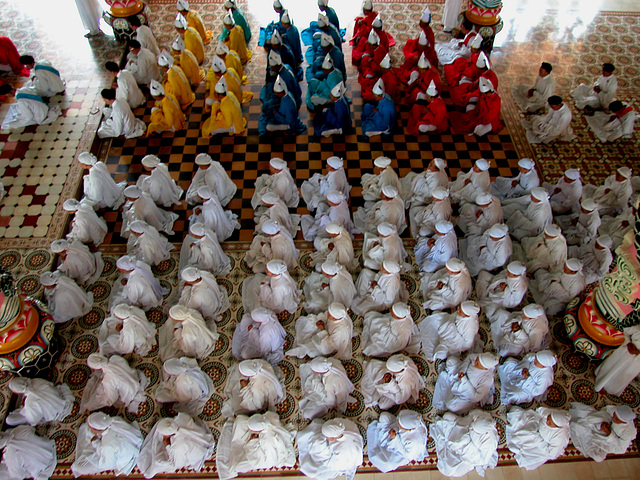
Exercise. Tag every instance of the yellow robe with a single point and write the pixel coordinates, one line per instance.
(190, 67)
(232, 60)
(233, 85)
(167, 116)
(225, 114)
(193, 43)
(177, 84)
(237, 43)
(194, 20)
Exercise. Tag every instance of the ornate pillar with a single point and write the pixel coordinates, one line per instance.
(117, 16)
(484, 14)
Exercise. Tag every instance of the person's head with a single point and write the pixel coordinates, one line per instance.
(228, 21)
(285, 20)
(555, 102)
(134, 22)
(5, 89)
(108, 95)
(545, 69)
(277, 6)
(466, 26)
(134, 46)
(112, 68)
(183, 7)
(616, 106)
(607, 69)
(27, 61)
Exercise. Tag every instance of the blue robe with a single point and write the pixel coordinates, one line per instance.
(267, 32)
(315, 66)
(321, 86)
(284, 113)
(380, 117)
(291, 37)
(309, 38)
(336, 115)
(241, 20)
(293, 87)
(333, 17)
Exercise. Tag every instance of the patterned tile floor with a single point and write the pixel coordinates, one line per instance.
(39, 173)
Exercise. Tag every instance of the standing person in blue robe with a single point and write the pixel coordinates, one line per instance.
(319, 88)
(334, 117)
(277, 68)
(327, 47)
(378, 117)
(324, 7)
(239, 18)
(281, 115)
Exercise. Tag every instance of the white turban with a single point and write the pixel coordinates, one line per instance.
(335, 197)
(249, 368)
(262, 315)
(19, 385)
(222, 49)
(333, 228)
(499, 230)
(132, 192)
(409, 420)
(87, 158)
(516, 268)
(483, 199)
(470, 308)
(526, 163)
(386, 62)
(378, 88)
(546, 358)
(190, 274)
(205, 193)
(203, 159)
(178, 44)
(179, 312)
(150, 161)
(385, 229)
(277, 267)
(180, 22)
(166, 427)
(71, 205)
(99, 421)
(397, 363)
(320, 365)
(221, 86)
(572, 174)
(333, 428)
(330, 268)
(257, 423)
(277, 163)
(624, 413)
(337, 311)
(97, 361)
(552, 230)
(533, 310)
(121, 311)
(440, 193)
(391, 266)
(327, 63)
(540, 193)
(126, 263)
(155, 88)
(275, 58)
(401, 310)
(488, 360)
(270, 227)
(573, 264)
(228, 19)
(59, 246)
(270, 198)
(197, 230)
(182, 5)
(335, 162)
(444, 226)
(559, 417)
(390, 191)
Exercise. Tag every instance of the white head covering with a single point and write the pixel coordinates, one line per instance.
(540, 193)
(378, 88)
(377, 22)
(150, 161)
(624, 413)
(470, 308)
(335, 197)
(326, 40)
(229, 4)
(48, 279)
(382, 162)
(516, 268)
(277, 163)
(604, 241)
(373, 38)
(454, 265)
(499, 230)
(262, 315)
(488, 360)
(132, 192)
(367, 5)
(205, 192)
(277, 4)
(71, 205)
(121, 311)
(330, 268)
(335, 162)
(138, 226)
(338, 90)
(323, 3)
(409, 420)
(257, 423)
(190, 274)
(391, 266)
(276, 267)
(625, 172)
(221, 86)
(485, 85)
(270, 227)
(401, 310)
(222, 49)
(482, 164)
(87, 158)
(422, 39)
(432, 91)
(275, 58)
(178, 44)
(443, 226)
(166, 427)
(483, 199)
(203, 159)
(426, 15)
(559, 417)
(228, 19)
(97, 361)
(482, 425)
(337, 311)
(333, 228)
(552, 230)
(476, 42)
(482, 61)
(546, 358)
(572, 174)
(390, 191)
(333, 428)
(285, 17)
(320, 365)
(180, 22)
(386, 61)
(18, 385)
(99, 421)
(59, 246)
(182, 5)
(440, 193)
(276, 38)
(218, 65)
(573, 264)
(279, 86)
(156, 88)
(385, 229)
(533, 310)
(327, 63)
(526, 163)
(323, 20)
(397, 363)
(197, 230)
(588, 204)
(179, 312)
(249, 368)
(176, 366)
(126, 263)
(423, 62)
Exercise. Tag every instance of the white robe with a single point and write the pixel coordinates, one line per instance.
(454, 48)
(116, 381)
(490, 292)
(26, 455)
(590, 441)
(313, 226)
(503, 188)
(541, 252)
(42, 402)
(206, 296)
(461, 395)
(67, 300)
(612, 196)
(609, 128)
(542, 89)
(451, 14)
(128, 89)
(277, 213)
(389, 289)
(259, 340)
(142, 289)
(191, 338)
(417, 188)
(443, 334)
(322, 392)
(114, 449)
(147, 40)
(579, 228)
(475, 220)
(190, 389)
(101, 189)
(384, 335)
(281, 183)
(480, 182)
(338, 249)
(455, 289)
(531, 440)
(585, 95)
(119, 120)
(217, 179)
(143, 66)
(432, 258)
(323, 459)
(222, 222)
(554, 290)
(161, 186)
(423, 219)
(265, 248)
(531, 337)
(334, 340)
(460, 448)
(555, 125)
(87, 226)
(375, 250)
(621, 367)
(263, 392)
(28, 111)
(340, 288)
(204, 253)
(44, 82)
(595, 261)
(564, 196)
(388, 454)
(150, 247)
(90, 14)
(481, 252)
(516, 388)
(239, 453)
(275, 293)
(526, 218)
(137, 334)
(367, 219)
(145, 209)
(190, 447)
(82, 265)
(403, 387)
(314, 191)
(372, 184)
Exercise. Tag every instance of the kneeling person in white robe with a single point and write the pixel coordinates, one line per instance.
(185, 385)
(528, 379)
(488, 251)
(275, 289)
(213, 216)
(202, 292)
(252, 386)
(390, 383)
(159, 184)
(279, 181)
(29, 109)
(553, 290)
(423, 219)
(273, 242)
(210, 174)
(336, 247)
(383, 175)
(333, 285)
(86, 225)
(39, 401)
(325, 386)
(77, 262)
(126, 330)
(65, 298)
(259, 335)
(387, 333)
(518, 186)
(379, 290)
(146, 243)
(324, 334)
(447, 287)
(202, 249)
(443, 334)
(517, 333)
(387, 245)
(118, 118)
(140, 206)
(505, 289)
(468, 185)
(185, 333)
(26, 455)
(99, 186)
(139, 286)
(433, 252)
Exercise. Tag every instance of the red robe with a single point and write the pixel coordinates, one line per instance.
(487, 112)
(434, 113)
(363, 26)
(9, 54)
(422, 83)
(413, 49)
(463, 93)
(364, 48)
(462, 67)
(390, 84)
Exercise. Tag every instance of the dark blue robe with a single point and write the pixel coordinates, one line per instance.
(380, 117)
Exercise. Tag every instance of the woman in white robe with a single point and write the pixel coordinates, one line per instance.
(443, 334)
(465, 443)
(517, 333)
(447, 287)
(273, 242)
(390, 383)
(125, 331)
(39, 401)
(99, 186)
(314, 191)
(86, 226)
(159, 184)
(140, 206)
(146, 243)
(487, 251)
(468, 185)
(581, 226)
(137, 285)
(476, 218)
(259, 335)
(185, 385)
(201, 292)
(325, 386)
(333, 284)
(553, 290)
(182, 442)
(621, 367)
(417, 188)
(379, 290)
(547, 250)
(527, 216)
(118, 120)
(433, 252)
(506, 289)
(383, 175)
(45, 80)
(252, 386)
(201, 249)
(185, 333)
(279, 181)
(253, 443)
(210, 174)
(324, 334)
(518, 186)
(423, 219)
(212, 215)
(274, 209)
(537, 436)
(386, 245)
(528, 379)
(390, 209)
(113, 380)
(330, 449)
(106, 444)
(275, 290)
(337, 212)
(65, 298)
(396, 441)
(29, 109)
(336, 247)
(26, 455)
(386, 334)
(77, 262)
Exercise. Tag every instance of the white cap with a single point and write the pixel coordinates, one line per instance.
(179, 312)
(277, 163)
(87, 158)
(382, 162)
(205, 192)
(377, 22)
(476, 42)
(277, 4)
(270, 227)
(338, 90)
(274, 58)
(335, 197)
(367, 5)
(378, 88)
(333, 228)
(625, 172)
(373, 38)
(285, 17)
(197, 230)
(132, 192)
(488, 360)
(397, 363)
(262, 315)
(526, 163)
(552, 230)
(333, 428)
(391, 266)
(516, 268)
(540, 193)
(190, 274)
(276, 267)
(604, 241)
(422, 39)
(421, 96)
(386, 61)
(150, 161)
(203, 159)
(270, 198)
(221, 86)
(156, 88)
(249, 368)
(59, 246)
(573, 264)
(588, 204)
(218, 65)
(178, 44)
(440, 193)
(432, 91)
(337, 311)
(546, 358)
(327, 63)
(71, 205)
(485, 85)
(99, 421)
(559, 417)
(330, 268)
(228, 19)
(440, 163)
(180, 22)
(121, 311)
(385, 229)
(533, 310)
(335, 162)
(482, 61)
(323, 20)
(482, 164)
(222, 49)
(96, 361)
(572, 174)
(257, 423)
(401, 310)
(470, 308)
(138, 226)
(423, 62)
(326, 40)
(48, 279)
(409, 420)
(276, 38)
(279, 85)
(444, 226)
(320, 365)
(165, 59)
(499, 230)
(455, 265)
(323, 3)
(624, 413)
(182, 5)
(166, 427)
(483, 199)
(389, 191)
(426, 15)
